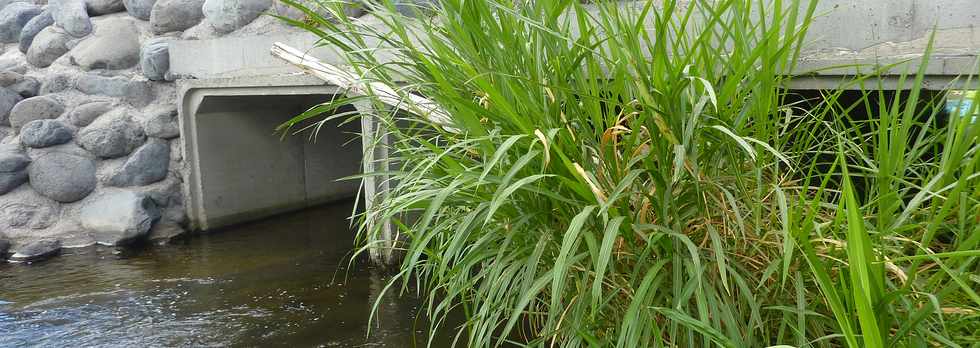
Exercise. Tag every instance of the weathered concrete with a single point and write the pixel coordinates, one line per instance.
(235, 56)
(868, 33)
(256, 173)
(876, 34)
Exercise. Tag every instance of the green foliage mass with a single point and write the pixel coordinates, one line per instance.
(635, 174)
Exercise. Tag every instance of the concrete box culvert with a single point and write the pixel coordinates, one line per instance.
(237, 169)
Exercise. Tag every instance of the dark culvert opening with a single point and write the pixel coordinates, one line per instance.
(248, 171)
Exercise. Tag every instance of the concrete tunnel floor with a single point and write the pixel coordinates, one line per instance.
(242, 170)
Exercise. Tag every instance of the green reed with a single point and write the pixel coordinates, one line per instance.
(636, 175)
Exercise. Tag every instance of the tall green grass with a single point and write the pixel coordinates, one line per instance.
(635, 175)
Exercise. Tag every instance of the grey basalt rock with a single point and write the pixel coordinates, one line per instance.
(147, 165)
(49, 45)
(13, 170)
(13, 160)
(8, 99)
(33, 27)
(13, 18)
(229, 15)
(36, 108)
(45, 133)
(175, 15)
(29, 87)
(113, 135)
(72, 16)
(155, 59)
(63, 177)
(162, 124)
(101, 85)
(137, 93)
(140, 9)
(37, 251)
(11, 181)
(84, 114)
(119, 217)
(104, 7)
(25, 86)
(114, 45)
(165, 193)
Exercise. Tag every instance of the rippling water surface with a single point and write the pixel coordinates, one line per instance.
(281, 282)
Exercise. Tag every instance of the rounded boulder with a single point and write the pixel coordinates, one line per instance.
(26, 86)
(36, 108)
(8, 99)
(11, 161)
(140, 9)
(229, 15)
(104, 7)
(114, 45)
(119, 217)
(34, 27)
(37, 251)
(147, 165)
(13, 170)
(162, 124)
(63, 177)
(83, 115)
(45, 133)
(175, 15)
(113, 135)
(155, 59)
(72, 16)
(134, 92)
(14, 17)
(49, 45)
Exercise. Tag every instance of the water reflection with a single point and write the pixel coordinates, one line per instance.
(280, 282)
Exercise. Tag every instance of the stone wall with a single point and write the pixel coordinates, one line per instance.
(89, 142)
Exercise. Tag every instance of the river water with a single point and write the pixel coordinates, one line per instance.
(285, 281)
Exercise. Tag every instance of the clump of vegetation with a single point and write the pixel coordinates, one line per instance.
(635, 175)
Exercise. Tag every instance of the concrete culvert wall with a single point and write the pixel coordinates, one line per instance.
(242, 171)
